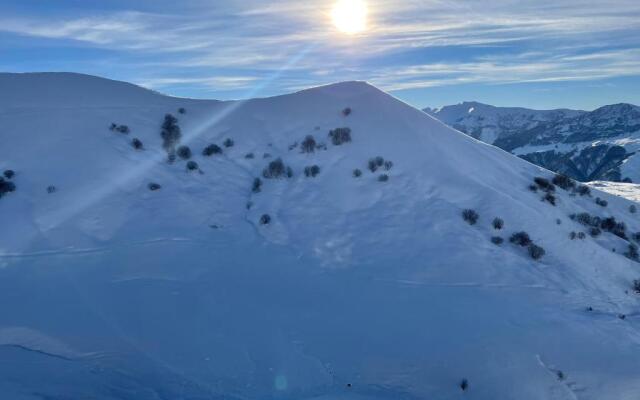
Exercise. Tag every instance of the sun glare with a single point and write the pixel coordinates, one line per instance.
(350, 16)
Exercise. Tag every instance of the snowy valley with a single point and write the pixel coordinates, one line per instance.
(334, 243)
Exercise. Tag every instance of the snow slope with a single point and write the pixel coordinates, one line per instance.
(357, 289)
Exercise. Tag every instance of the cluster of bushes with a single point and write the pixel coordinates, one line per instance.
(522, 239)
(308, 145)
(568, 184)
(379, 162)
(312, 171)
(340, 136)
(578, 235)
(562, 181)
(170, 133)
(547, 187)
(470, 216)
(276, 170)
(597, 224)
(211, 150)
(617, 228)
(119, 128)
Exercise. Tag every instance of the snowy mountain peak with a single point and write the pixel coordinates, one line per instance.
(331, 243)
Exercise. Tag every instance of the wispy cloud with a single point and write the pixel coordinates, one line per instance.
(410, 45)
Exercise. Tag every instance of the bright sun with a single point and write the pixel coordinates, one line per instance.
(350, 16)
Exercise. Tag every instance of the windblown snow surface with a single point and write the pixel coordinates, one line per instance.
(357, 289)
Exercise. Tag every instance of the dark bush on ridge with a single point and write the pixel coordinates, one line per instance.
(9, 174)
(536, 252)
(6, 187)
(632, 252)
(388, 165)
(265, 219)
(51, 189)
(582, 235)
(617, 228)
(136, 143)
(471, 216)
(249, 156)
(340, 135)
(549, 198)
(312, 171)
(182, 110)
(601, 203)
(308, 145)
(357, 173)
(375, 163)
(171, 132)
(346, 112)
(544, 184)
(563, 182)
(497, 223)
(192, 166)
(594, 232)
(211, 150)
(184, 152)
(633, 209)
(276, 169)
(383, 178)
(520, 239)
(154, 186)
(228, 142)
(257, 185)
(583, 190)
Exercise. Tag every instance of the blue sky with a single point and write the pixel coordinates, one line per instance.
(540, 54)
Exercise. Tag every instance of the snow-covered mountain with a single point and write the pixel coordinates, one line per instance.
(261, 263)
(597, 145)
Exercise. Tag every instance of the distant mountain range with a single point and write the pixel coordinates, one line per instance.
(596, 145)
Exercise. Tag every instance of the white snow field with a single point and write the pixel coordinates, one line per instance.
(356, 289)
(629, 191)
